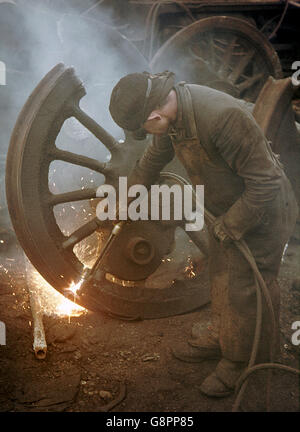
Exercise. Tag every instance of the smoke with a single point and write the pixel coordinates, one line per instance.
(38, 37)
(35, 35)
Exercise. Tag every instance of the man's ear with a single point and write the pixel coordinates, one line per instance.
(154, 115)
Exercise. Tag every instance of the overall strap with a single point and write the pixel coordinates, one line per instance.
(189, 111)
(201, 133)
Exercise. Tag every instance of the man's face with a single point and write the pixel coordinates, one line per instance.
(159, 120)
(157, 126)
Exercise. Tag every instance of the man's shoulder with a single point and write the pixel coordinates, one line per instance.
(213, 101)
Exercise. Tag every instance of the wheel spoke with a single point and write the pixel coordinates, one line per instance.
(81, 233)
(227, 57)
(211, 51)
(108, 140)
(204, 64)
(196, 56)
(231, 45)
(243, 63)
(78, 195)
(75, 159)
(250, 82)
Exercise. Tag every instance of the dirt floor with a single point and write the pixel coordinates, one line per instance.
(96, 363)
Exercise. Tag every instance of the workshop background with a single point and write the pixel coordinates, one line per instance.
(114, 354)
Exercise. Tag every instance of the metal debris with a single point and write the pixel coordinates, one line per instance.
(39, 338)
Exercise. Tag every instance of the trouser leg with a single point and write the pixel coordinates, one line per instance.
(233, 296)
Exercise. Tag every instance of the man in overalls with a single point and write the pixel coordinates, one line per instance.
(222, 147)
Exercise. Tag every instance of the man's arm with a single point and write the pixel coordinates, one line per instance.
(243, 146)
(156, 156)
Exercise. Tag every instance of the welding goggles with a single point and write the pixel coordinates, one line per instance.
(141, 133)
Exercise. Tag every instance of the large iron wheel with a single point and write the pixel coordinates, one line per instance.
(223, 52)
(51, 249)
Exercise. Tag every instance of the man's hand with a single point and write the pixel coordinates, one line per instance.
(219, 231)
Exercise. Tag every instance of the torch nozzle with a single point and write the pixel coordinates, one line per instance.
(86, 275)
(89, 273)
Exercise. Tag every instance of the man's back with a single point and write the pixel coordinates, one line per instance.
(229, 155)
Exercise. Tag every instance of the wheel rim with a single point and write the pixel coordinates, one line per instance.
(31, 203)
(222, 52)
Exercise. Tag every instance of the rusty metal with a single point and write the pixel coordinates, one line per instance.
(132, 262)
(123, 291)
(225, 53)
(31, 204)
(32, 150)
(275, 20)
(39, 336)
(274, 113)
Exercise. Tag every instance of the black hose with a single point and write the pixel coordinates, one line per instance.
(250, 371)
(280, 21)
(261, 288)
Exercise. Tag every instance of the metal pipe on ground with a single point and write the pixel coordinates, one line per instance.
(39, 337)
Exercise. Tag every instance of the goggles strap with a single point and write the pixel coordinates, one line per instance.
(148, 91)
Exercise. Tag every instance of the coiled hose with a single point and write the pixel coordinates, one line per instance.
(261, 289)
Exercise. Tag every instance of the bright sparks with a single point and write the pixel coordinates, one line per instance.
(50, 300)
(189, 270)
(74, 288)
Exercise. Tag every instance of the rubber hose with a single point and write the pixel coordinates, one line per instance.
(261, 288)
